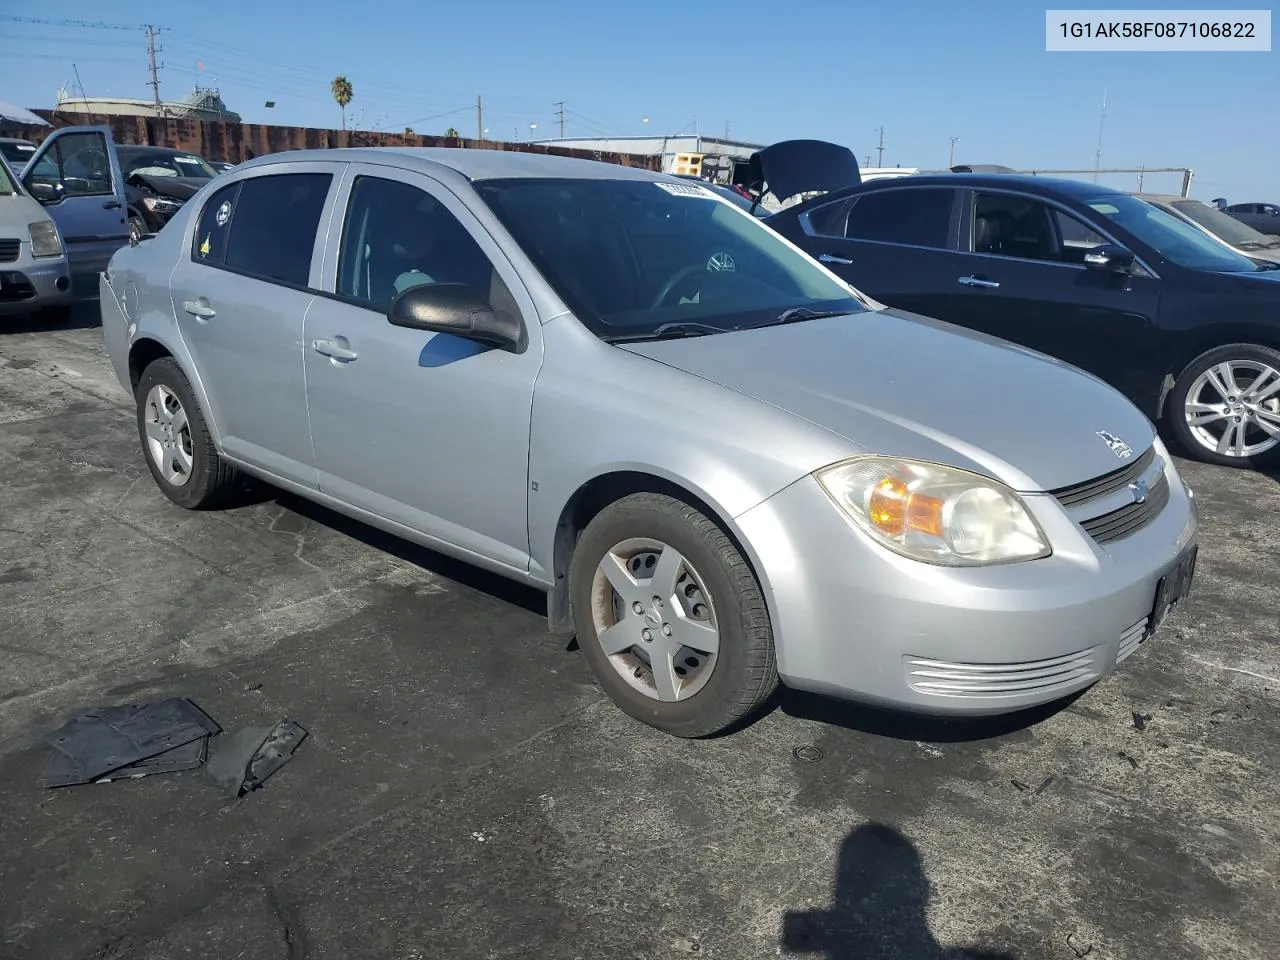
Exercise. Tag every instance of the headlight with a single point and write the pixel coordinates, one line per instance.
(45, 241)
(934, 513)
(160, 204)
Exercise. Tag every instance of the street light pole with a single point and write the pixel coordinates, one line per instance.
(951, 160)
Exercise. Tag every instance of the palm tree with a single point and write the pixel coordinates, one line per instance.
(342, 94)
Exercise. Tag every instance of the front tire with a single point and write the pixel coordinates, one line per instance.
(671, 618)
(176, 441)
(137, 228)
(1225, 406)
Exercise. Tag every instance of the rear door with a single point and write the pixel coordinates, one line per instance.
(1022, 278)
(75, 175)
(896, 244)
(241, 292)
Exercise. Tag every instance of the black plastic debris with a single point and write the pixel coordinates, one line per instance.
(242, 762)
(1140, 720)
(137, 740)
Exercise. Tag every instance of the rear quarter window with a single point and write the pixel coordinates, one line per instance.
(214, 226)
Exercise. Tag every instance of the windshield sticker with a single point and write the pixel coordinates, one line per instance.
(686, 190)
(224, 213)
(194, 161)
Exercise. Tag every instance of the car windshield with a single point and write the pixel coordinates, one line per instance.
(632, 256)
(164, 163)
(17, 153)
(1223, 224)
(1173, 238)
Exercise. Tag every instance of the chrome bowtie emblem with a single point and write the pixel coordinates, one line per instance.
(1118, 446)
(1138, 490)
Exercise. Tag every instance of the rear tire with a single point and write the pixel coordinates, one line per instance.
(1225, 407)
(176, 442)
(671, 614)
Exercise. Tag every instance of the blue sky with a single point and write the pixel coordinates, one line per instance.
(927, 71)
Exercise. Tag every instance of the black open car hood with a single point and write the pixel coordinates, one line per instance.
(175, 188)
(803, 166)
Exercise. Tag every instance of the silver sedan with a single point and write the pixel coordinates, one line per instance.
(725, 466)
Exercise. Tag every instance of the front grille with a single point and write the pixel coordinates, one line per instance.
(1130, 518)
(1077, 494)
(9, 250)
(1131, 639)
(977, 680)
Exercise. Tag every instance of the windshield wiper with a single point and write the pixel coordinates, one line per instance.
(669, 331)
(796, 315)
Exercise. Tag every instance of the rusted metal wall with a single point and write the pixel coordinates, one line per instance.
(237, 142)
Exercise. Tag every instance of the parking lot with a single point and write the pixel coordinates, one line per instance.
(466, 791)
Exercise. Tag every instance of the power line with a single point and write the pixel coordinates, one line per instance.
(93, 25)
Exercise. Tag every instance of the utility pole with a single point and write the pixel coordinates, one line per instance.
(151, 58)
(561, 106)
(880, 155)
(726, 129)
(479, 118)
(1097, 157)
(951, 160)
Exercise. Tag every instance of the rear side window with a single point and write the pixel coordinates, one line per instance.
(266, 230)
(214, 226)
(919, 216)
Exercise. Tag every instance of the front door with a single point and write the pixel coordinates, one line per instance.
(76, 176)
(428, 430)
(1023, 279)
(241, 293)
(895, 244)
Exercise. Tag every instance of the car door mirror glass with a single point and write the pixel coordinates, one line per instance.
(458, 309)
(1108, 257)
(45, 192)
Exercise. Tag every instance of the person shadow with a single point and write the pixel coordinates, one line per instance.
(880, 899)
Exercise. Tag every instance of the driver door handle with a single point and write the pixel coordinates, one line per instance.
(979, 282)
(832, 258)
(330, 349)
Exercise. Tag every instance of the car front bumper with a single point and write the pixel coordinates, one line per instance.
(855, 620)
(28, 285)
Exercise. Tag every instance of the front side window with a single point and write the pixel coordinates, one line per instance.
(915, 216)
(396, 236)
(1009, 225)
(271, 230)
(78, 161)
(1170, 236)
(629, 256)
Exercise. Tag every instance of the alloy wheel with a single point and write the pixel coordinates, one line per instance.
(654, 619)
(1233, 408)
(168, 435)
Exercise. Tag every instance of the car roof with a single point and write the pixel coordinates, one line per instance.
(1078, 189)
(468, 162)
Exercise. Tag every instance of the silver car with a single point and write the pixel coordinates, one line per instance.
(724, 465)
(35, 277)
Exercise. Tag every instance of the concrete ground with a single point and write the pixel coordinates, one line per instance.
(466, 792)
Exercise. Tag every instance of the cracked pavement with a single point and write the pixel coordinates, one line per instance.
(466, 791)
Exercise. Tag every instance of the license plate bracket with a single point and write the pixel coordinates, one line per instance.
(1173, 588)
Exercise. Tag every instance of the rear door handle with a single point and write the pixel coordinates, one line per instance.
(979, 282)
(333, 350)
(199, 309)
(832, 258)
(111, 205)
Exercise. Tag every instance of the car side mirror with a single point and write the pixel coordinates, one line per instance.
(458, 309)
(46, 192)
(1108, 257)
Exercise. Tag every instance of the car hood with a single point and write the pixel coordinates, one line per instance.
(176, 188)
(16, 211)
(894, 383)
